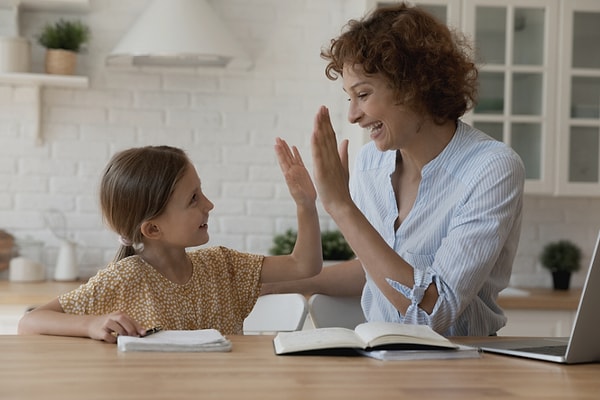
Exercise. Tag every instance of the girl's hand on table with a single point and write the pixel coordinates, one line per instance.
(107, 327)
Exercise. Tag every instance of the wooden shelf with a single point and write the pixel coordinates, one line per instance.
(48, 5)
(38, 82)
(71, 81)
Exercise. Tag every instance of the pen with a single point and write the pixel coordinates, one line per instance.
(152, 330)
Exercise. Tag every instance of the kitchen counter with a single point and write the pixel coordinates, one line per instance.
(541, 299)
(530, 311)
(33, 293)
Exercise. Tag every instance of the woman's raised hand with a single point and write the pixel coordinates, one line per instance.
(330, 162)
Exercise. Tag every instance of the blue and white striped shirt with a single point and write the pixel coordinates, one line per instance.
(461, 234)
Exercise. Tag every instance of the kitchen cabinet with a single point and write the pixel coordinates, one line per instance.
(18, 297)
(539, 84)
(9, 318)
(539, 311)
(579, 96)
(517, 96)
(553, 323)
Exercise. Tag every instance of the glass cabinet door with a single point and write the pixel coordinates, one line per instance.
(580, 95)
(515, 47)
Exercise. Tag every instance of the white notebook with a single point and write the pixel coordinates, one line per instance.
(176, 340)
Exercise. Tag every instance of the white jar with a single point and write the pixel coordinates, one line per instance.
(23, 269)
(66, 264)
(15, 54)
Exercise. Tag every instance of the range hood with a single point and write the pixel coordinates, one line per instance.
(179, 33)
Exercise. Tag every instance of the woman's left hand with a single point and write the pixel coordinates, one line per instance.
(330, 163)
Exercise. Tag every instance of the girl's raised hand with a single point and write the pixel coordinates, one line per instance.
(296, 175)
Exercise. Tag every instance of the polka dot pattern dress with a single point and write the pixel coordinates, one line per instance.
(222, 291)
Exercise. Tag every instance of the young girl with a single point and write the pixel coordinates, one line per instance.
(152, 197)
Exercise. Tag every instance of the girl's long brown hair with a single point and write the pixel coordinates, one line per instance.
(136, 186)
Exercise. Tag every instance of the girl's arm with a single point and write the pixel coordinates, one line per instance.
(344, 279)
(50, 319)
(306, 259)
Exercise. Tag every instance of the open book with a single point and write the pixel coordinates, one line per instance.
(175, 340)
(386, 338)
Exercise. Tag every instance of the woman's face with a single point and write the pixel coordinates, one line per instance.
(391, 125)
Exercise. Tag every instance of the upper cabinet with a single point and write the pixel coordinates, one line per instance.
(579, 95)
(539, 84)
(516, 45)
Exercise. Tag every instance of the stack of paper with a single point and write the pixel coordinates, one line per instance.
(175, 340)
(460, 351)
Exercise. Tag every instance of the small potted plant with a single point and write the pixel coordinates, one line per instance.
(63, 40)
(334, 245)
(561, 258)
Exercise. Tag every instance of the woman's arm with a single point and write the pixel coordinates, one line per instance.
(306, 259)
(50, 319)
(377, 257)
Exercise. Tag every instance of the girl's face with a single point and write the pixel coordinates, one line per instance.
(185, 219)
(373, 106)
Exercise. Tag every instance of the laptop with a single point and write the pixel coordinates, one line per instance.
(583, 346)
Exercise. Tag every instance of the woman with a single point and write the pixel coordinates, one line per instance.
(433, 209)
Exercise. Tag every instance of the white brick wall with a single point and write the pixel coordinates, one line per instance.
(227, 121)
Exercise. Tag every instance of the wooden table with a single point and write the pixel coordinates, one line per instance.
(59, 368)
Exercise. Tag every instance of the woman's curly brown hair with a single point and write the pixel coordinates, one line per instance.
(429, 66)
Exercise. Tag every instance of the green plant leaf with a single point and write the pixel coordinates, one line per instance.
(562, 255)
(333, 244)
(66, 35)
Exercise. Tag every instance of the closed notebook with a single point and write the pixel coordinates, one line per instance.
(176, 340)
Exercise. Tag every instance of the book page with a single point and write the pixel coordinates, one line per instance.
(379, 333)
(314, 339)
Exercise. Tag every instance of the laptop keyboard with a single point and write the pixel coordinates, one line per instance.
(559, 350)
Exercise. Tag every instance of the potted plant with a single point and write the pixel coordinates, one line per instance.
(334, 245)
(561, 258)
(63, 40)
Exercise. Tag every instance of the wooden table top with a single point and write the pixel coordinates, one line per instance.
(60, 368)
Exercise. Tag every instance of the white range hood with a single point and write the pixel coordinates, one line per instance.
(179, 33)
